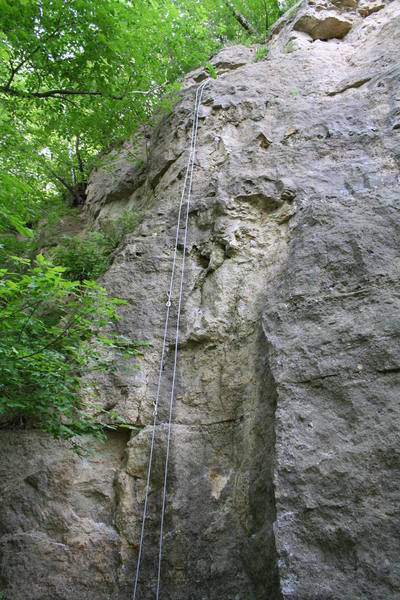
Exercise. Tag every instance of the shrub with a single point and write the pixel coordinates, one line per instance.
(114, 232)
(83, 257)
(51, 333)
(87, 257)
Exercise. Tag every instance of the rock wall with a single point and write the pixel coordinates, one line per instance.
(282, 481)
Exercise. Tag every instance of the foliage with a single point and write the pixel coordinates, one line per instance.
(78, 76)
(87, 257)
(261, 53)
(212, 71)
(116, 230)
(52, 331)
(83, 257)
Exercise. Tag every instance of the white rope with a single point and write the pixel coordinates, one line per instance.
(189, 170)
(171, 402)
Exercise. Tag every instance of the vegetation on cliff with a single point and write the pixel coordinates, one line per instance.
(77, 77)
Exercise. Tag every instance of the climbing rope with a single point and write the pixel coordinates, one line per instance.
(187, 187)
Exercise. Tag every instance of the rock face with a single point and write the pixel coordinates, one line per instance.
(283, 468)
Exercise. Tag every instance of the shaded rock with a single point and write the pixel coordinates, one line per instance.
(57, 536)
(321, 27)
(367, 7)
(120, 176)
(352, 83)
(232, 58)
(345, 4)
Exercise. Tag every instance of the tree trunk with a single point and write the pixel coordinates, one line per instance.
(242, 19)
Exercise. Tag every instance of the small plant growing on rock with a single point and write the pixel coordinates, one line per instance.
(288, 47)
(212, 71)
(115, 231)
(261, 54)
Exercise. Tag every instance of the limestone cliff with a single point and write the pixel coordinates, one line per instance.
(282, 481)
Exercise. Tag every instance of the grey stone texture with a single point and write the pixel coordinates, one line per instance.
(283, 480)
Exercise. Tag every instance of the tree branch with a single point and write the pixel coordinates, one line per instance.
(65, 92)
(65, 183)
(78, 154)
(50, 343)
(14, 70)
(77, 191)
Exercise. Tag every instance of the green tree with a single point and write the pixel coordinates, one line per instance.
(77, 76)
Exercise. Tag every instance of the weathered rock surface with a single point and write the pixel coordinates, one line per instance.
(58, 536)
(283, 475)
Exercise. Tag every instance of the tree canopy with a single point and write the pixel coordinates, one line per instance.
(77, 76)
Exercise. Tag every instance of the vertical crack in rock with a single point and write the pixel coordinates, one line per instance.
(255, 485)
